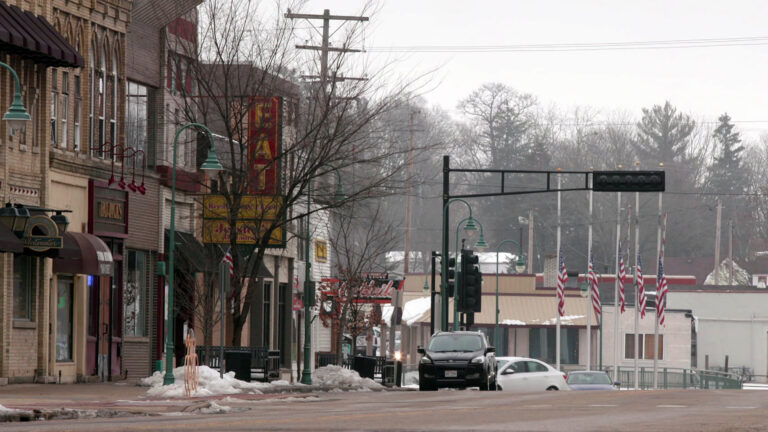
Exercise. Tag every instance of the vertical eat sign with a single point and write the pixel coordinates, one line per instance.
(264, 130)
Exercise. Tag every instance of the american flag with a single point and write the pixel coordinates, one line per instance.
(622, 273)
(595, 287)
(562, 278)
(640, 287)
(661, 293)
(230, 262)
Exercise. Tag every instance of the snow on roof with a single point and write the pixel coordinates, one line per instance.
(740, 276)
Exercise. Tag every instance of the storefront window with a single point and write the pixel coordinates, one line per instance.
(64, 320)
(542, 344)
(23, 287)
(135, 294)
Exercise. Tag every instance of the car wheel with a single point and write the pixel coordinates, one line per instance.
(425, 386)
(493, 386)
(552, 388)
(486, 385)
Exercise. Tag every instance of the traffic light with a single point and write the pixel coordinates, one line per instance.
(470, 283)
(450, 283)
(628, 181)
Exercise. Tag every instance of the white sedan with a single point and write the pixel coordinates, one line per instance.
(523, 375)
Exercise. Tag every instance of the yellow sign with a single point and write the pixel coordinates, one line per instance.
(251, 207)
(248, 232)
(321, 251)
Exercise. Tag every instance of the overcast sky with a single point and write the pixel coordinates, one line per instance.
(704, 82)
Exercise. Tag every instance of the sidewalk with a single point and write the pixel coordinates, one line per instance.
(112, 399)
(21, 402)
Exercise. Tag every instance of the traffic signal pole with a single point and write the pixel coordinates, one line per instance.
(602, 181)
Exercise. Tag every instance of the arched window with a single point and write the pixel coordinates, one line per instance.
(101, 94)
(92, 101)
(113, 94)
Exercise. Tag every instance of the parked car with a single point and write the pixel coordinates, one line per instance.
(522, 375)
(591, 380)
(457, 359)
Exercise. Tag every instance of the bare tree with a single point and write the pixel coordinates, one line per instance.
(360, 239)
(331, 130)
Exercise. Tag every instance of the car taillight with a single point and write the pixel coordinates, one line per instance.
(565, 377)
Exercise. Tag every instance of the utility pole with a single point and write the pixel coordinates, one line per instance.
(409, 198)
(717, 241)
(730, 251)
(324, 49)
(530, 241)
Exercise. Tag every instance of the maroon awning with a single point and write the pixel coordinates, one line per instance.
(9, 242)
(83, 254)
(32, 36)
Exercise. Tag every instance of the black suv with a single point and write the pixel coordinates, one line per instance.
(457, 359)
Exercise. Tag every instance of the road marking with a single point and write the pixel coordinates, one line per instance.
(602, 405)
(741, 407)
(671, 406)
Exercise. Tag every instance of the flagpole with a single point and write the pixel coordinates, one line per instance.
(656, 321)
(616, 313)
(557, 329)
(637, 297)
(589, 284)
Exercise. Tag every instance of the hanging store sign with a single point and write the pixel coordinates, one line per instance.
(42, 234)
(264, 136)
(107, 210)
(255, 215)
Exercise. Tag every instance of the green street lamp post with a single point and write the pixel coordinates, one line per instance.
(17, 115)
(519, 268)
(480, 246)
(306, 374)
(444, 261)
(212, 165)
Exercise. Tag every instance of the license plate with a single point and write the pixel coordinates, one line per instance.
(451, 374)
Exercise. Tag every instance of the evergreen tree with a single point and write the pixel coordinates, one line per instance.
(727, 175)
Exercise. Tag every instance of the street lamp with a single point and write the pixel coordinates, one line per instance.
(480, 246)
(211, 165)
(306, 374)
(519, 268)
(444, 262)
(16, 116)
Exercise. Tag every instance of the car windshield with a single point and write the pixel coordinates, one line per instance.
(501, 362)
(589, 378)
(456, 343)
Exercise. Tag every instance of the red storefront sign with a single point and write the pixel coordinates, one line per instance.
(264, 133)
(379, 291)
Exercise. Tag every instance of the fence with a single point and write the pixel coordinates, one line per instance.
(265, 363)
(328, 358)
(670, 378)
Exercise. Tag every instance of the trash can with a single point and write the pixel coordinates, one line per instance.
(392, 374)
(240, 363)
(365, 366)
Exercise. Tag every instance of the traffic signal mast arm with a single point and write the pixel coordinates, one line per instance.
(603, 181)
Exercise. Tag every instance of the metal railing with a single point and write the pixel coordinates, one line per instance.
(676, 378)
(265, 363)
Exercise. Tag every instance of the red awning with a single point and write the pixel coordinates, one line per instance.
(23, 33)
(83, 254)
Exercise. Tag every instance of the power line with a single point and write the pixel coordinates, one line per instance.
(590, 46)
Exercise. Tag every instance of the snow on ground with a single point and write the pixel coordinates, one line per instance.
(214, 408)
(209, 384)
(4, 410)
(336, 376)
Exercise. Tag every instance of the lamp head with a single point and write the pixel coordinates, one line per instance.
(211, 164)
(61, 222)
(17, 116)
(470, 226)
(520, 265)
(481, 245)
